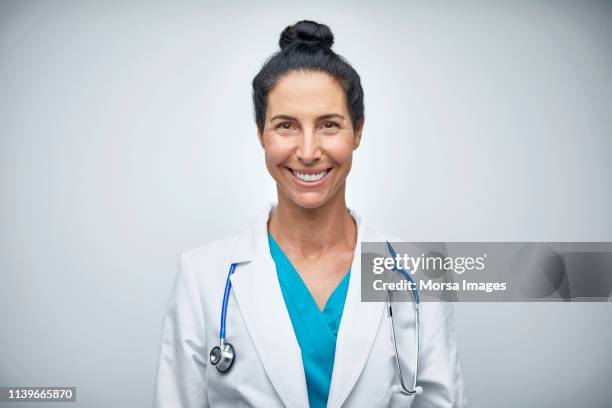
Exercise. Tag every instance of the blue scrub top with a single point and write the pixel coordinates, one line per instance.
(316, 330)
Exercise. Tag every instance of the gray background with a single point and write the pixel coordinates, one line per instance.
(127, 137)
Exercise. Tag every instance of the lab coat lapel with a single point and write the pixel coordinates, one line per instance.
(358, 327)
(258, 295)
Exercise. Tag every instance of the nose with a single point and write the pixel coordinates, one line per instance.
(309, 148)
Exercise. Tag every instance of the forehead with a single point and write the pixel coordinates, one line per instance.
(306, 93)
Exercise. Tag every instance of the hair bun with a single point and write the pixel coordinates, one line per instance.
(307, 34)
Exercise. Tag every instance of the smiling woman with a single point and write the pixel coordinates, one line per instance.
(293, 330)
(308, 139)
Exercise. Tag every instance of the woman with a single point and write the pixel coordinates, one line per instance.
(296, 333)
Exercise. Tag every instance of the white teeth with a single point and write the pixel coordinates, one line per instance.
(310, 177)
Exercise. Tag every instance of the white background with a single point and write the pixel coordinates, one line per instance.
(127, 136)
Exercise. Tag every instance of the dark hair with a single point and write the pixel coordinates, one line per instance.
(306, 46)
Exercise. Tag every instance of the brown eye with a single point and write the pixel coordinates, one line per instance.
(330, 128)
(330, 125)
(285, 126)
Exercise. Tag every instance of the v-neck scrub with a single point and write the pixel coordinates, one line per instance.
(316, 331)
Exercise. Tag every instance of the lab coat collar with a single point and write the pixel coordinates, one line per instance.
(260, 300)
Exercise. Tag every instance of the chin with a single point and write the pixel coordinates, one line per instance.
(309, 200)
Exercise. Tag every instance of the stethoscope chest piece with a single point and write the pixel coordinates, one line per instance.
(223, 357)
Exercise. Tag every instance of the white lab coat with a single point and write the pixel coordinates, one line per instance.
(268, 370)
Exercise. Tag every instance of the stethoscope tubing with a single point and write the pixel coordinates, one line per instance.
(226, 293)
(417, 302)
(415, 293)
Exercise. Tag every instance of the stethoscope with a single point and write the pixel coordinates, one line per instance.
(416, 389)
(224, 355)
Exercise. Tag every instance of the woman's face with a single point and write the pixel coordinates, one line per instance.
(308, 138)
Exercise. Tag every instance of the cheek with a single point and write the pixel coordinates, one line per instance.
(277, 151)
(340, 150)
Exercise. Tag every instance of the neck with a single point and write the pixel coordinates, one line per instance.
(312, 232)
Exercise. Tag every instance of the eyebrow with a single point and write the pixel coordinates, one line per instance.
(327, 116)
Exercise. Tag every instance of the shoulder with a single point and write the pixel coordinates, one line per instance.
(373, 233)
(216, 249)
(228, 248)
(433, 313)
(208, 264)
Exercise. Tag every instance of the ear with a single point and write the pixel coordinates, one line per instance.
(358, 132)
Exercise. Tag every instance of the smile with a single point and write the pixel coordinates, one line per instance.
(309, 177)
